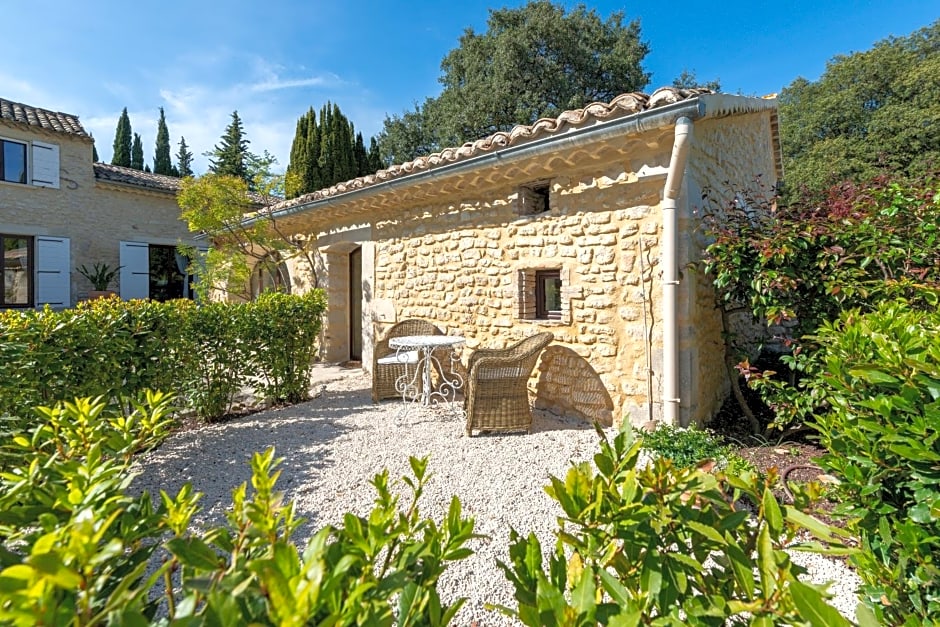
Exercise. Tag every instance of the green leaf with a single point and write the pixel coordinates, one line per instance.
(821, 530)
(582, 597)
(865, 617)
(813, 607)
(613, 586)
(772, 513)
(872, 375)
(194, 553)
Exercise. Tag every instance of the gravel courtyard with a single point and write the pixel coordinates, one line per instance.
(334, 444)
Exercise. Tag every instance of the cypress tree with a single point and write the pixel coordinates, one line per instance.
(375, 157)
(230, 155)
(122, 141)
(325, 158)
(299, 162)
(343, 144)
(161, 154)
(137, 153)
(361, 156)
(94, 153)
(327, 153)
(184, 160)
(313, 179)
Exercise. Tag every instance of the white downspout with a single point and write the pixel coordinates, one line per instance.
(680, 153)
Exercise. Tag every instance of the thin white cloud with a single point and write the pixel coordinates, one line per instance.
(313, 81)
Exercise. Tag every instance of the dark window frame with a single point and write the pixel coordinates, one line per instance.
(24, 179)
(542, 312)
(30, 273)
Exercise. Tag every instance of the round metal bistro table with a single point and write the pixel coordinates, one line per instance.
(426, 352)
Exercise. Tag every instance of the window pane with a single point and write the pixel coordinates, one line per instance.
(14, 162)
(16, 271)
(166, 280)
(548, 294)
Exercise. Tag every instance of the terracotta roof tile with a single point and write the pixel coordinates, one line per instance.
(138, 178)
(43, 118)
(622, 105)
(160, 182)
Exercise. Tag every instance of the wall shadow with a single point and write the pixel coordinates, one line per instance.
(568, 386)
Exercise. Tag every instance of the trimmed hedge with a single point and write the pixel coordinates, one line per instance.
(116, 349)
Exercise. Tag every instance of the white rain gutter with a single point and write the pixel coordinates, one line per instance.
(677, 163)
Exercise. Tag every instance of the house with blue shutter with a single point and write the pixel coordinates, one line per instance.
(60, 210)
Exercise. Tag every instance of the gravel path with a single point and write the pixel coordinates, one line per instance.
(334, 444)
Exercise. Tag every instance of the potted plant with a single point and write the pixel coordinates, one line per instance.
(100, 276)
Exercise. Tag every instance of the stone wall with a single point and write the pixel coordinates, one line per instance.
(460, 265)
(466, 260)
(721, 152)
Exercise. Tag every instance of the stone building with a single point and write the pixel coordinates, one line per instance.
(585, 226)
(59, 210)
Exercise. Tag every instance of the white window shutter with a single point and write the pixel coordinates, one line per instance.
(45, 165)
(53, 272)
(135, 270)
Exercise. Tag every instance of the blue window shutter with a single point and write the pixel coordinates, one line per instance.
(45, 172)
(53, 272)
(135, 270)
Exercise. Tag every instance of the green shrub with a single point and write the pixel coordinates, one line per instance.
(805, 262)
(75, 547)
(73, 544)
(215, 363)
(283, 331)
(116, 349)
(689, 447)
(882, 431)
(665, 546)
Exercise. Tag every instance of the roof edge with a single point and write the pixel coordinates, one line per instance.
(623, 115)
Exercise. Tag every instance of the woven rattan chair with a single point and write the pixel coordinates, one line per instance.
(387, 366)
(496, 397)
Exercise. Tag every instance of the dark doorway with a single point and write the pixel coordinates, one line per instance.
(355, 305)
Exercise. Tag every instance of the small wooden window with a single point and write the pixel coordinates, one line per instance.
(533, 198)
(548, 295)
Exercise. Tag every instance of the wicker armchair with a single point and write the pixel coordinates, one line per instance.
(386, 369)
(496, 394)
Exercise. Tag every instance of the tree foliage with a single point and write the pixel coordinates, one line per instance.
(137, 153)
(870, 112)
(184, 160)
(326, 152)
(230, 156)
(122, 141)
(217, 204)
(161, 154)
(803, 263)
(533, 61)
(689, 80)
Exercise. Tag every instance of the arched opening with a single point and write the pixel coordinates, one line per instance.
(270, 274)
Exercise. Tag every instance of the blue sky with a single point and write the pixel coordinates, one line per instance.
(200, 60)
